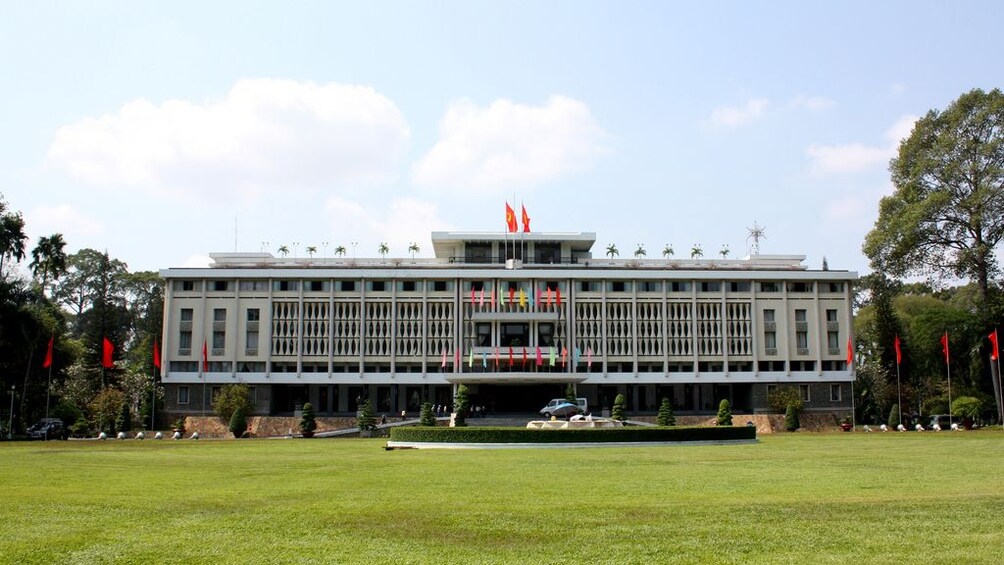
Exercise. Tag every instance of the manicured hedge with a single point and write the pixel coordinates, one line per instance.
(583, 435)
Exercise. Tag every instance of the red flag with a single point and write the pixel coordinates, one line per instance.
(48, 354)
(443, 364)
(899, 353)
(548, 296)
(205, 358)
(850, 352)
(156, 355)
(994, 353)
(496, 358)
(540, 358)
(557, 290)
(524, 357)
(107, 349)
(944, 347)
(526, 220)
(512, 292)
(472, 295)
(510, 356)
(510, 218)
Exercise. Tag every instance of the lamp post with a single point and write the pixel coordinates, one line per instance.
(10, 424)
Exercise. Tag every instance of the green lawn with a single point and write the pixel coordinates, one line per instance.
(800, 498)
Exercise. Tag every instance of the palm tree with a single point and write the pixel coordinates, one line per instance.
(696, 252)
(414, 249)
(724, 252)
(383, 250)
(612, 251)
(48, 259)
(340, 251)
(283, 250)
(311, 250)
(640, 252)
(12, 235)
(667, 251)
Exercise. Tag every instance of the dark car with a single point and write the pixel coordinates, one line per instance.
(47, 428)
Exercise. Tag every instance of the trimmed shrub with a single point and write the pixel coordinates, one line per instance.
(365, 420)
(967, 407)
(570, 393)
(230, 398)
(239, 422)
(666, 416)
(123, 421)
(580, 435)
(617, 412)
(724, 413)
(427, 418)
(460, 404)
(307, 423)
(893, 419)
(791, 418)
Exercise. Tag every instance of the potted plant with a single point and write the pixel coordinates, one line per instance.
(307, 423)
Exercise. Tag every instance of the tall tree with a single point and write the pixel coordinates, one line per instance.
(48, 259)
(946, 215)
(12, 237)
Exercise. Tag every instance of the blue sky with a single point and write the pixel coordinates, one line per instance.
(146, 128)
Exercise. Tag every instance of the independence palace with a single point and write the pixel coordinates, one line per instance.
(515, 317)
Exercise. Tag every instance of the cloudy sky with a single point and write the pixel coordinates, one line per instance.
(153, 129)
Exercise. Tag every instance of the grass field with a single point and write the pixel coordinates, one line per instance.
(799, 498)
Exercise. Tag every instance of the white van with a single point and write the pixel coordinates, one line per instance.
(562, 408)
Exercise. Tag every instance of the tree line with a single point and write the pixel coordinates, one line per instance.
(77, 301)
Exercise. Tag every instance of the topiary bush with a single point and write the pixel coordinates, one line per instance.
(666, 416)
(365, 421)
(791, 418)
(238, 422)
(461, 404)
(967, 407)
(427, 418)
(307, 423)
(780, 398)
(724, 413)
(123, 421)
(617, 412)
(893, 419)
(570, 393)
(230, 398)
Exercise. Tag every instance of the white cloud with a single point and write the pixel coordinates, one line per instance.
(733, 116)
(196, 262)
(266, 134)
(63, 219)
(857, 157)
(810, 103)
(509, 144)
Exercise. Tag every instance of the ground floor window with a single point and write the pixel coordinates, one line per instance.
(182, 395)
(804, 392)
(835, 393)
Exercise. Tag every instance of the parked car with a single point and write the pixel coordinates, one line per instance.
(47, 428)
(562, 408)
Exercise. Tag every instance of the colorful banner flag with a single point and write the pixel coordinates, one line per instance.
(512, 293)
(576, 355)
(510, 218)
(526, 220)
(472, 294)
(899, 352)
(589, 357)
(484, 359)
(156, 354)
(557, 291)
(470, 357)
(548, 295)
(205, 357)
(524, 357)
(510, 356)
(48, 353)
(994, 352)
(107, 351)
(551, 356)
(443, 364)
(481, 301)
(496, 358)
(522, 298)
(540, 357)
(564, 356)
(850, 352)
(944, 347)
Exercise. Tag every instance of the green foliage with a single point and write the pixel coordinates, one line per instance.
(365, 420)
(307, 422)
(894, 416)
(578, 435)
(460, 405)
(946, 216)
(68, 412)
(230, 398)
(724, 413)
(123, 420)
(617, 412)
(105, 408)
(570, 393)
(239, 422)
(179, 425)
(968, 407)
(791, 422)
(780, 398)
(427, 418)
(666, 416)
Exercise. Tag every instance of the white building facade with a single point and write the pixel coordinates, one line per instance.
(516, 319)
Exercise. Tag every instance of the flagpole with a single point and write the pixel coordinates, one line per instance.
(899, 397)
(153, 396)
(48, 386)
(948, 366)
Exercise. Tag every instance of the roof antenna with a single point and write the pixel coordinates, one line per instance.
(756, 233)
